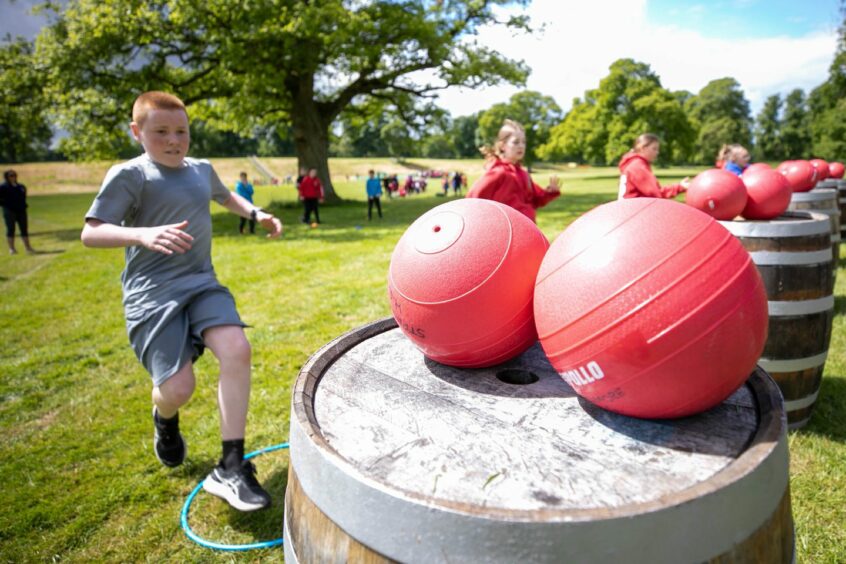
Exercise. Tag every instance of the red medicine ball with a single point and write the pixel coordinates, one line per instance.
(717, 192)
(461, 282)
(768, 194)
(756, 166)
(836, 170)
(801, 175)
(822, 169)
(651, 309)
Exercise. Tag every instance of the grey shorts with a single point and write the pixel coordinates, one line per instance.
(171, 334)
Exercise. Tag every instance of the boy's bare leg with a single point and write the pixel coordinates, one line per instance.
(174, 392)
(233, 479)
(168, 397)
(229, 345)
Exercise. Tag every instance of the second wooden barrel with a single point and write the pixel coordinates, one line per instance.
(398, 458)
(824, 201)
(841, 201)
(793, 255)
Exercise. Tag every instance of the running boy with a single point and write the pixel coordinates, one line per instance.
(157, 207)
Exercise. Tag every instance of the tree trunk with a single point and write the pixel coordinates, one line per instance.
(311, 142)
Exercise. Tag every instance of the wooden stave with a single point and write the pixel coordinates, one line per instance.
(825, 201)
(769, 437)
(798, 375)
(841, 201)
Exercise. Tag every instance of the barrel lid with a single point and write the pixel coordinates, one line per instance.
(815, 195)
(788, 224)
(471, 441)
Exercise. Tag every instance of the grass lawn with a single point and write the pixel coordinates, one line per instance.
(81, 481)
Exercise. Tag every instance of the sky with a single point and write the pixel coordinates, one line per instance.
(768, 46)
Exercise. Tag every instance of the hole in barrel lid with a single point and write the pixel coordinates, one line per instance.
(517, 376)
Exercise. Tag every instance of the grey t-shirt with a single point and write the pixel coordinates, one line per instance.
(142, 193)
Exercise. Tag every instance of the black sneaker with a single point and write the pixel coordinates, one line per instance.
(168, 443)
(238, 487)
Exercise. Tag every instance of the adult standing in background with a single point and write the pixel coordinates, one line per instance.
(244, 189)
(13, 201)
(636, 177)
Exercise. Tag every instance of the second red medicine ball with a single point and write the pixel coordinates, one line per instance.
(650, 308)
(461, 282)
(717, 192)
(768, 193)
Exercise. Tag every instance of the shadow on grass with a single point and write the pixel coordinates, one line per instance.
(839, 305)
(265, 525)
(829, 416)
(60, 234)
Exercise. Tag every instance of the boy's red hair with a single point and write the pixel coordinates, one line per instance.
(154, 100)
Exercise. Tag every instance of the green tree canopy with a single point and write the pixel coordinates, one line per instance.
(768, 130)
(534, 111)
(827, 104)
(463, 132)
(248, 62)
(721, 114)
(24, 131)
(629, 101)
(795, 126)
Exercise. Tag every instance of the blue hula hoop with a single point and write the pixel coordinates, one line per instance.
(229, 547)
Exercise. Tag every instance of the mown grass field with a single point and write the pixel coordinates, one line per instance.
(80, 482)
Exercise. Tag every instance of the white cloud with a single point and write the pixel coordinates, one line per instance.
(582, 39)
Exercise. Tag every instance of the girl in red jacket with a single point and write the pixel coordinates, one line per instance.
(505, 181)
(636, 177)
(311, 192)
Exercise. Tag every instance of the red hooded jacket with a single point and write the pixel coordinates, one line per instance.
(311, 187)
(638, 181)
(511, 185)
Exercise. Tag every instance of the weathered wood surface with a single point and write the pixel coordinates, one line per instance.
(424, 463)
(465, 437)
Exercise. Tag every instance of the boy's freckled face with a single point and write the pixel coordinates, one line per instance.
(165, 136)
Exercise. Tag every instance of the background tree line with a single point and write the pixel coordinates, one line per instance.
(81, 70)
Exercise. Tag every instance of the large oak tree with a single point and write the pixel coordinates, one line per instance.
(239, 63)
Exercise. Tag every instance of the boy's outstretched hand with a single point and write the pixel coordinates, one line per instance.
(271, 223)
(168, 239)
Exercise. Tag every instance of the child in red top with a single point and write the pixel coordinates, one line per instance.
(311, 192)
(505, 181)
(636, 177)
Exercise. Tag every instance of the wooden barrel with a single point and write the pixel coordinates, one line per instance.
(828, 183)
(793, 255)
(823, 201)
(397, 458)
(841, 201)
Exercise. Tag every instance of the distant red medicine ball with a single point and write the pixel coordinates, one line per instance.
(461, 282)
(768, 194)
(836, 170)
(717, 192)
(756, 166)
(822, 169)
(650, 308)
(801, 175)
